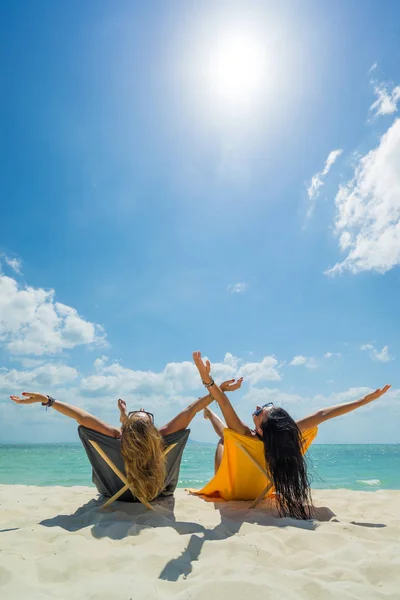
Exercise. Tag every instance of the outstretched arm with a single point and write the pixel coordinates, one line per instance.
(324, 414)
(231, 418)
(183, 419)
(81, 416)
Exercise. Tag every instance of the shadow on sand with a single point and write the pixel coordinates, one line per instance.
(125, 519)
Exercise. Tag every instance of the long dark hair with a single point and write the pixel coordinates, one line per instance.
(286, 464)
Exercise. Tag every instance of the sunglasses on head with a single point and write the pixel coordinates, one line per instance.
(259, 410)
(134, 412)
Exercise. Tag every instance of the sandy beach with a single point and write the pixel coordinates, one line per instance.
(56, 542)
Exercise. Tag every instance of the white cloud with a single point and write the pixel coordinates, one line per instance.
(368, 210)
(238, 288)
(307, 361)
(175, 378)
(46, 376)
(260, 396)
(29, 363)
(386, 102)
(332, 355)
(298, 360)
(231, 360)
(266, 370)
(310, 361)
(373, 67)
(317, 180)
(381, 356)
(14, 263)
(100, 362)
(32, 323)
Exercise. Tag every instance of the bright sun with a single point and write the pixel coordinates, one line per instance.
(235, 69)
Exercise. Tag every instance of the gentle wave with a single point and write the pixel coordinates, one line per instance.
(369, 481)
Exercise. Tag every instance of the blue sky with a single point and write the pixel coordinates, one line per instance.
(152, 205)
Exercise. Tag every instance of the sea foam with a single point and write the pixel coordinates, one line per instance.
(369, 481)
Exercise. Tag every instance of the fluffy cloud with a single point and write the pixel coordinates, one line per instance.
(265, 370)
(317, 181)
(304, 361)
(259, 396)
(368, 210)
(112, 380)
(386, 102)
(381, 356)
(47, 376)
(175, 378)
(238, 288)
(310, 361)
(298, 360)
(32, 323)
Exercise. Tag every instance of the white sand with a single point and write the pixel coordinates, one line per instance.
(55, 542)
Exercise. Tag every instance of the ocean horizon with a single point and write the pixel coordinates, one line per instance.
(363, 467)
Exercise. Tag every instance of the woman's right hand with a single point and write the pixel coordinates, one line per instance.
(30, 398)
(123, 415)
(203, 368)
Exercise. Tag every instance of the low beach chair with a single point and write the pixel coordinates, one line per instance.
(104, 454)
(243, 473)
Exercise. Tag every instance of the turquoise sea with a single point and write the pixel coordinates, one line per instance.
(356, 467)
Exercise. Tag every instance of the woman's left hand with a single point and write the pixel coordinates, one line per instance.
(30, 398)
(377, 394)
(231, 385)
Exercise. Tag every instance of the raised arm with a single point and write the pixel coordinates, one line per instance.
(81, 416)
(231, 418)
(324, 414)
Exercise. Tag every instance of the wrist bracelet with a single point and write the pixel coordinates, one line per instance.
(207, 385)
(50, 402)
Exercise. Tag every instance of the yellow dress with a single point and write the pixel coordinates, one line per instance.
(238, 478)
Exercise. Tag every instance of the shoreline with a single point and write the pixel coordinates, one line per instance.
(370, 486)
(56, 542)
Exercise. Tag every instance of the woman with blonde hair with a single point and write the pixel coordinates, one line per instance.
(142, 445)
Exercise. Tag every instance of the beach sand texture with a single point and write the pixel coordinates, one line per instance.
(56, 542)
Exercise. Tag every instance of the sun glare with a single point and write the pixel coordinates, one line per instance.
(236, 69)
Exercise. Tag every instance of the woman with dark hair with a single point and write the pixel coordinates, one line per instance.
(282, 439)
(142, 443)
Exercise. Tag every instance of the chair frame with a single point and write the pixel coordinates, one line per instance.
(119, 473)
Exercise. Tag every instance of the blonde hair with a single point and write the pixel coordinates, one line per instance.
(142, 450)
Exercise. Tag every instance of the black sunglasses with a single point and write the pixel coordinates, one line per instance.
(257, 412)
(134, 412)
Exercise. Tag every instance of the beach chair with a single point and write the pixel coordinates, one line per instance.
(108, 471)
(243, 473)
